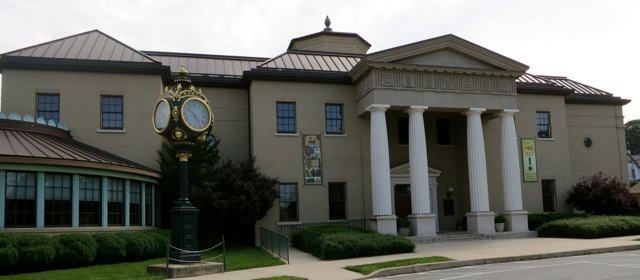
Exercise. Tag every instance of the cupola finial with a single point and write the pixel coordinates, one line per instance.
(327, 23)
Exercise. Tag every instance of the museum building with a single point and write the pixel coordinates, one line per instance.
(442, 131)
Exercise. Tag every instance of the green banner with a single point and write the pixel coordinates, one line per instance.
(530, 170)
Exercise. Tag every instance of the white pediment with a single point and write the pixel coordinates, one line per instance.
(447, 51)
(404, 170)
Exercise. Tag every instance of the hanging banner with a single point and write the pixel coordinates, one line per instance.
(312, 159)
(530, 171)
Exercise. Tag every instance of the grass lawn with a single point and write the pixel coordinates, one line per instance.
(366, 269)
(237, 258)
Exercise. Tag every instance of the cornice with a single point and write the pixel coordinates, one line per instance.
(296, 76)
(602, 100)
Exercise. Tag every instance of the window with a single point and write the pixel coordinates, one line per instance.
(286, 112)
(148, 205)
(48, 107)
(544, 124)
(135, 201)
(115, 205)
(57, 200)
(288, 202)
(20, 196)
(337, 201)
(90, 204)
(333, 118)
(112, 112)
(403, 131)
(549, 195)
(443, 132)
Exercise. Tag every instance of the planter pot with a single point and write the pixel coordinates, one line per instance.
(403, 231)
(499, 227)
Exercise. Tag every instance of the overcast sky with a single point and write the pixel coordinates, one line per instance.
(593, 42)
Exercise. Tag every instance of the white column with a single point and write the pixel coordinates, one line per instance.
(517, 218)
(479, 190)
(510, 165)
(420, 202)
(380, 177)
(480, 219)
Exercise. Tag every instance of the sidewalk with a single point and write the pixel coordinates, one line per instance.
(464, 253)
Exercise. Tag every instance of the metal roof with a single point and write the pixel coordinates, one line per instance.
(207, 65)
(315, 61)
(91, 45)
(28, 142)
(579, 88)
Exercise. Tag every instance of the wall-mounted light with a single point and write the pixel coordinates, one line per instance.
(449, 192)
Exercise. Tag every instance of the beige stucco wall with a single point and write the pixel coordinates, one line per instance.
(80, 107)
(604, 125)
(280, 156)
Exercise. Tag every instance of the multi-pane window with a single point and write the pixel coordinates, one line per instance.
(90, 205)
(333, 118)
(135, 203)
(148, 206)
(57, 200)
(549, 195)
(20, 199)
(403, 131)
(286, 117)
(543, 119)
(443, 132)
(111, 112)
(337, 201)
(288, 202)
(115, 203)
(48, 107)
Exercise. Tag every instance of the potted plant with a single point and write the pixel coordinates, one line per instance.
(500, 221)
(404, 226)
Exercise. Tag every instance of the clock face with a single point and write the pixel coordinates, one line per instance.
(196, 114)
(161, 115)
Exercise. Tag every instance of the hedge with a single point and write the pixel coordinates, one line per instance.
(592, 227)
(74, 250)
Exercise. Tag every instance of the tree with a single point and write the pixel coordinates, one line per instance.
(602, 194)
(231, 196)
(632, 133)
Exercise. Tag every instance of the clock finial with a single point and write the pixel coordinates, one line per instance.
(182, 71)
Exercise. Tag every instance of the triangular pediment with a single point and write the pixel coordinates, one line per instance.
(91, 45)
(405, 170)
(447, 51)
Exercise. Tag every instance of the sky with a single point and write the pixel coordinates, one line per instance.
(592, 42)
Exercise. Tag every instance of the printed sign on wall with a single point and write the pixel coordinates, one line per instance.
(312, 159)
(530, 171)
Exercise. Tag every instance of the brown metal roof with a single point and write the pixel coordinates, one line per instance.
(313, 62)
(33, 143)
(207, 65)
(91, 45)
(579, 88)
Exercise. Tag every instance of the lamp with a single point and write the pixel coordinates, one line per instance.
(449, 192)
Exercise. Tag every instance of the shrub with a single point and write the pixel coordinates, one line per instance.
(139, 246)
(8, 253)
(111, 248)
(591, 227)
(160, 239)
(74, 250)
(601, 194)
(538, 219)
(36, 252)
(403, 223)
(500, 219)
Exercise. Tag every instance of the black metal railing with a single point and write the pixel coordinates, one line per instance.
(275, 243)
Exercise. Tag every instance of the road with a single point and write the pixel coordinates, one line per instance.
(621, 265)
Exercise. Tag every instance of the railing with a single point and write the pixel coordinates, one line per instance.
(172, 260)
(275, 243)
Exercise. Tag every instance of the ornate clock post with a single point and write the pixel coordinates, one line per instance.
(182, 117)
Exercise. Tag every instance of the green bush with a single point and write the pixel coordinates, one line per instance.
(538, 219)
(341, 242)
(36, 252)
(591, 227)
(74, 250)
(8, 253)
(139, 245)
(111, 248)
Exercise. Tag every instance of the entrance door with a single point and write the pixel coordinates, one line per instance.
(402, 199)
